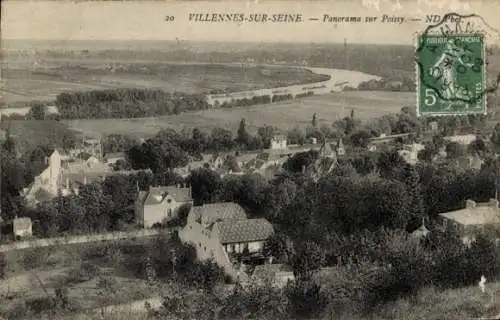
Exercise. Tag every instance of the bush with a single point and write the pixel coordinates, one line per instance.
(86, 271)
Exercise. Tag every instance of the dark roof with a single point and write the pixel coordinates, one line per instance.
(213, 212)
(85, 156)
(42, 195)
(244, 230)
(92, 176)
(156, 195)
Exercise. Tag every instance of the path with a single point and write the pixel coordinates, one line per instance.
(111, 236)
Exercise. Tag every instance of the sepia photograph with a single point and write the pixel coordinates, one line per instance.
(250, 160)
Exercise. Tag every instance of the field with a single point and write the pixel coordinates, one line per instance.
(34, 274)
(23, 83)
(284, 115)
(28, 134)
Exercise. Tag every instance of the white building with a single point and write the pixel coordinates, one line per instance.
(279, 142)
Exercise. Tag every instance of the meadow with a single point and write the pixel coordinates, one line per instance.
(95, 275)
(23, 82)
(283, 115)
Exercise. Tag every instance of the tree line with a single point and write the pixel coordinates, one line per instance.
(135, 103)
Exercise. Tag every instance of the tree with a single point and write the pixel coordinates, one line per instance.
(37, 112)
(300, 161)
(266, 133)
(411, 178)
(276, 247)
(314, 121)
(495, 136)
(454, 150)
(308, 257)
(205, 185)
(306, 300)
(12, 175)
(296, 136)
(477, 147)
(242, 136)
(247, 190)
(221, 140)
(360, 138)
(207, 274)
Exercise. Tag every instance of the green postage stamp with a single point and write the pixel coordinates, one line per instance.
(451, 75)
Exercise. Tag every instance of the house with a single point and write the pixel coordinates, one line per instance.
(374, 143)
(279, 142)
(89, 160)
(421, 232)
(409, 153)
(340, 148)
(159, 204)
(469, 162)
(203, 162)
(220, 231)
(22, 227)
(275, 275)
(433, 127)
(475, 218)
(112, 158)
(47, 184)
(74, 180)
(461, 139)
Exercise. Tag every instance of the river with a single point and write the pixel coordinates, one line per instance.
(339, 79)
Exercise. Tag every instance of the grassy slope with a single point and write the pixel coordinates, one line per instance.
(284, 115)
(28, 134)
(430, 304)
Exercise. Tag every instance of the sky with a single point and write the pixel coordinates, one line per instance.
(131, 20)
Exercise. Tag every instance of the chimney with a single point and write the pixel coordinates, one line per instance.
(470, 203)
(493, 203)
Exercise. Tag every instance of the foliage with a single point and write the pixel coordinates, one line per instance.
(126, 103)
(205, 184)
(454, 150)
(300, 161)
(306, 300)
(307, 258)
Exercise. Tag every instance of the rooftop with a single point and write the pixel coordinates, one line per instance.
(92, 176)
(157, 194)
(476, 213)
(22, 223)
(462, 139)
(244, 230)
(213, 212)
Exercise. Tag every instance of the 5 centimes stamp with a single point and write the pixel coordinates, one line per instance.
(451, 74)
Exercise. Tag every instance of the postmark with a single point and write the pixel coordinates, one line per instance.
(451, 66)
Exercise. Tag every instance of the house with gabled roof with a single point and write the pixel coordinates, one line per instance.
(161, 204)
(476, 218)
(219, 231)
(47, 184)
